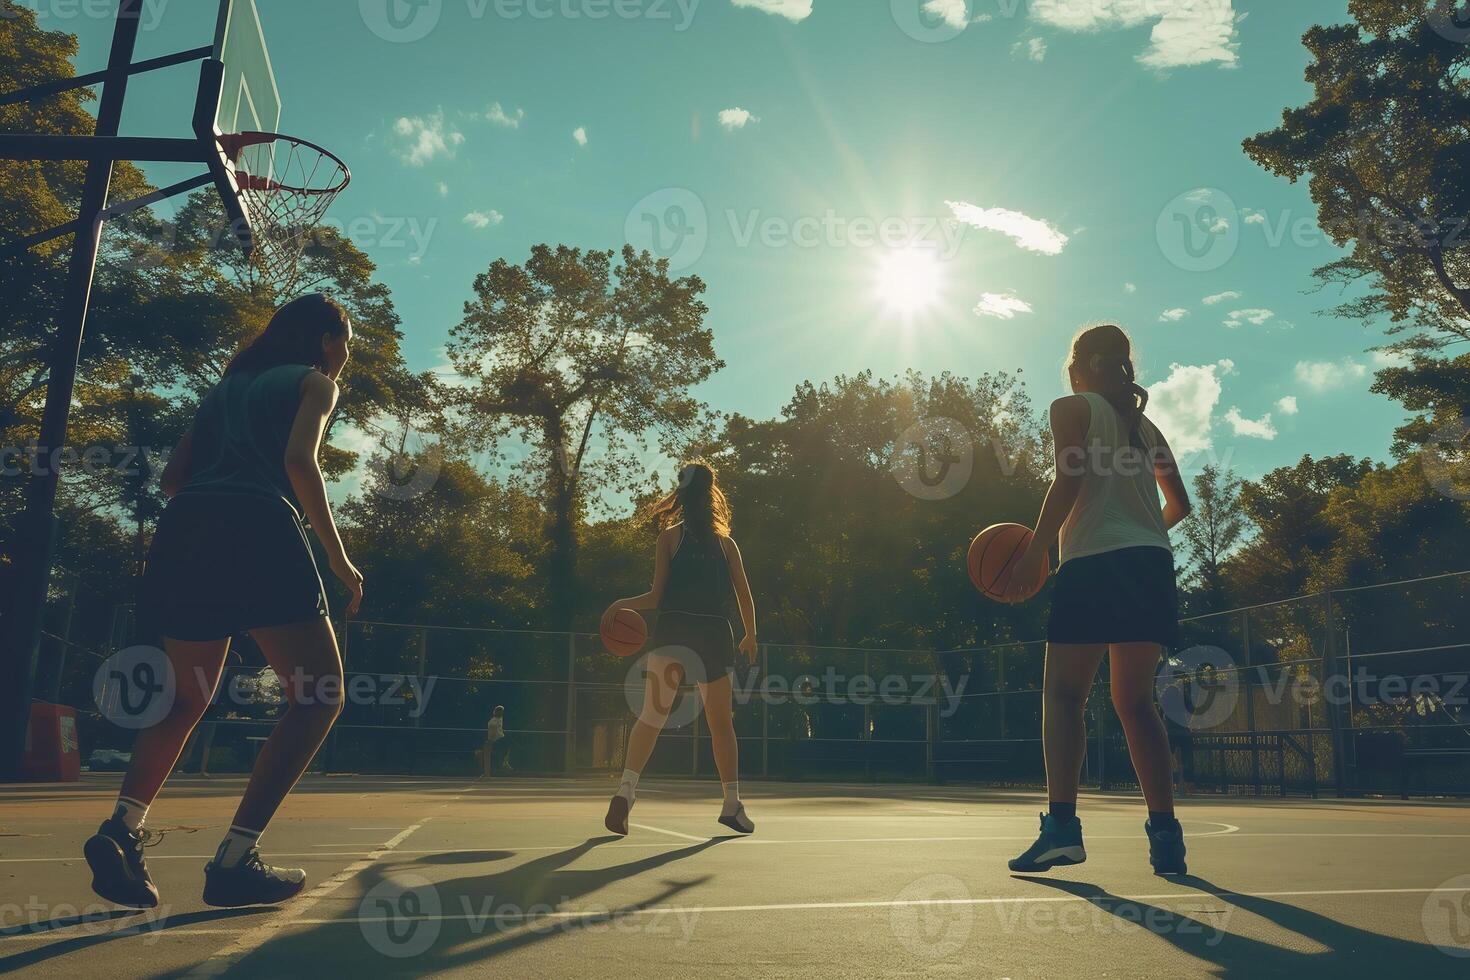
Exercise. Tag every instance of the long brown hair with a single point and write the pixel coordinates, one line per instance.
(1102, 361)
(294, 335)
(698, 501)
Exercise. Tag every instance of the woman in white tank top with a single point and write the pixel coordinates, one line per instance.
(1114, 592)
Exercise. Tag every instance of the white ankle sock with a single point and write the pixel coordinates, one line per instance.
(235, 846)
(130, 812)
(629, 786)
(732, 797)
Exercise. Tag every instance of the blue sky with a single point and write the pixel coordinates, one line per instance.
(767, 141)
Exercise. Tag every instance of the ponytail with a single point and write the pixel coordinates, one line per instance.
(1102, 358)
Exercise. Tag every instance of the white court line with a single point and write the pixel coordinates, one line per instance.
(256, 936)
(671, 833)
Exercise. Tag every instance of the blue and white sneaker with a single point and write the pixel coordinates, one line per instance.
(1060, 844)
(1166, 849)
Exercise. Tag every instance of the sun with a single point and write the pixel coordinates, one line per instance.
(908, 280)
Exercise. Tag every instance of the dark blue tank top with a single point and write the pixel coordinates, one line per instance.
(699, 577)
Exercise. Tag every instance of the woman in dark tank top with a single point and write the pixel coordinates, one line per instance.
(698, 575)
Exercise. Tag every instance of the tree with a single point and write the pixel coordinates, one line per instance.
(568, 354)
(1212, 530)
(1386, 140)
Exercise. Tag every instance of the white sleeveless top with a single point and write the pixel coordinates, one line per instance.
(1118, 506)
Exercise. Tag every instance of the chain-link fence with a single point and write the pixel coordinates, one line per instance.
(1352, 691)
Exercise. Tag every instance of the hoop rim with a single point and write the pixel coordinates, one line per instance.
(234, 143)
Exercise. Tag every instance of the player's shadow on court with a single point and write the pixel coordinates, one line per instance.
(1348, 950)
(479, 916)
(141, 929)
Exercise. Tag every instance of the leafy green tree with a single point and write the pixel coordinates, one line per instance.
(1212, 530)
(568, 354)
(1387, 147)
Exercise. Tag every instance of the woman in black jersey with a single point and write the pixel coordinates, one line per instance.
(697, 571)
(230, 555)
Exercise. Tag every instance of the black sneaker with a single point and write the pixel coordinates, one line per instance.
(1060, 844)
(251, 882)
(617, 815)
(119, 873)
(1166, 849)
(738, 821)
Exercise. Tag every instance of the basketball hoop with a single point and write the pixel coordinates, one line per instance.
(286, 184)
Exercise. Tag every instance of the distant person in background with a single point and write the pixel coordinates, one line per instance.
(1114, 595)
(697, 570)
(230, 555)
(496, 743)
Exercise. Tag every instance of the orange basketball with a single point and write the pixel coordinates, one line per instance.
(626, 634)
(993, 554)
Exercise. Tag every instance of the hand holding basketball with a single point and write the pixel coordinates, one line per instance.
(1003, 568)
(623, 631)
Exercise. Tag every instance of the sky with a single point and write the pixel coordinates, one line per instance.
(945, 185)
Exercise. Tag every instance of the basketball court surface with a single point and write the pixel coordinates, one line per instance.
(518, 878)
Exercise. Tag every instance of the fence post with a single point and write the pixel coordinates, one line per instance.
(569, 748)
(765, 662)
(423, 669)
(1330, 670)
(1249, 690)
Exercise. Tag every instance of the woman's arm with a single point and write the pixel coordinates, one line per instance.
(1070, 417)
(176, 471)
(318, 399)
(1171, 482)
(650, 599)
(743, 598)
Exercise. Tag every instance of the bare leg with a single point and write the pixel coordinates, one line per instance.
(156, 750)
(1133, 668)
(719, 713)
(305, 657)
(1070, 670)
(665, 674)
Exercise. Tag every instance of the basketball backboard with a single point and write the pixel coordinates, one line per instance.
(238, 94)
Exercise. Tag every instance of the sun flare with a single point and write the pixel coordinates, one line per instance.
(909, 280)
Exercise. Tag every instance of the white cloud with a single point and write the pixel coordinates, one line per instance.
(500, 117)
(1002, 306)
(1323, 376)
(1174, 315)
(737, 118)
(1129, 287)
(952, 12)
(1033, 49)
(1183, 404)
(1029, 233)
(1388, 359)
(1219, 298)
(1287, 405)
(580, 135)
(443, 189)
(426, 138)
(1255, 317)
(1253, 217)
(482, 219)
(1261, 428)
(793, 10)
(1185, 32)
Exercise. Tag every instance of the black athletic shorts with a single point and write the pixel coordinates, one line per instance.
(224, 563)
(705, 645)
(1124, 596)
